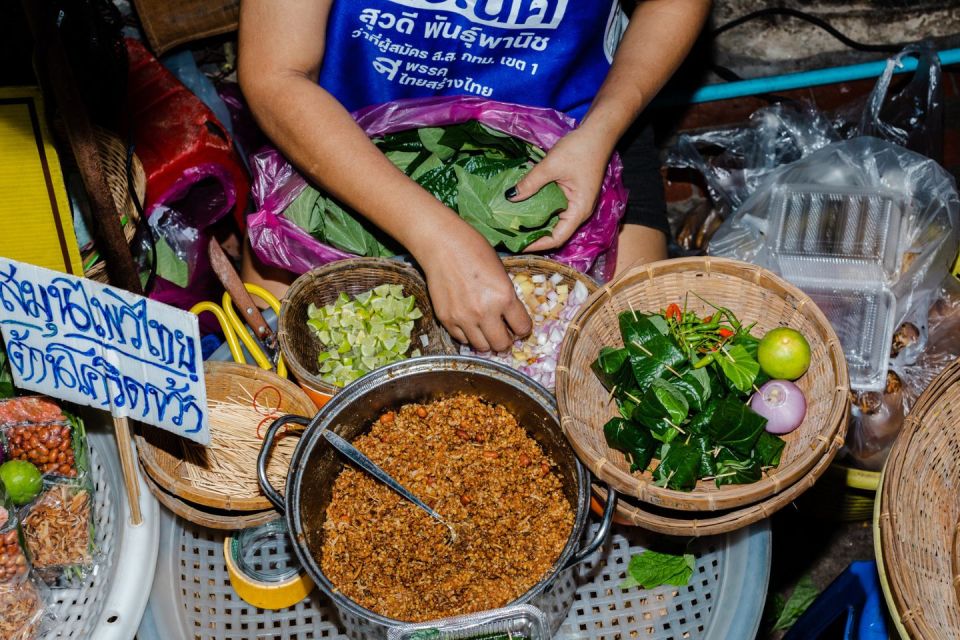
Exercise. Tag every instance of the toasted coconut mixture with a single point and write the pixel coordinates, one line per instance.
(473, 464)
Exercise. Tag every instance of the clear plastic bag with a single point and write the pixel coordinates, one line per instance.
(58, 532)
(279, 242)
(735, 161)
(22, 599)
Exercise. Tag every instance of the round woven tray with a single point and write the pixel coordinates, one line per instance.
(113, 159)
(918, 512)
(205, 517)
(754, 295)
(322, 286)
(162, 453)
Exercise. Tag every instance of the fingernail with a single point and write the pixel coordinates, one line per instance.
(510, 193)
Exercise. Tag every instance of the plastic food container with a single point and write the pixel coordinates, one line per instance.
(520, 622)
(850, 235)
(864, 321)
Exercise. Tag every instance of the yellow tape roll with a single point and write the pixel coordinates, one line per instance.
(260, 593)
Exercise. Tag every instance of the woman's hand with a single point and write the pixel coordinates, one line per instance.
(471, 293)
(577, 163)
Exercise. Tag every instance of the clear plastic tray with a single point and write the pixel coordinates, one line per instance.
(520, 622)
(836, 233)
(864, 322)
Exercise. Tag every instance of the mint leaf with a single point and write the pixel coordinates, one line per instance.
(169, 265)
(799, 601)
(651, 569)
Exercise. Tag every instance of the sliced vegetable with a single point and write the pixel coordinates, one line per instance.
(364, 332)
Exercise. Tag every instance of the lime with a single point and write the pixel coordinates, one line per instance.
(22, 480)
(784, 354)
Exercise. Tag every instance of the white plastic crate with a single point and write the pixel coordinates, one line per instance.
(192, 598)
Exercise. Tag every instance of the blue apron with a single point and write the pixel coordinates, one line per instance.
(545, 53)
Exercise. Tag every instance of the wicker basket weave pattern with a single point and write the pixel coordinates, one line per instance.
(754, 295)
(919, 512)
(322, 286)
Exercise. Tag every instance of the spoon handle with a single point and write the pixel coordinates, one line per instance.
(368, 465)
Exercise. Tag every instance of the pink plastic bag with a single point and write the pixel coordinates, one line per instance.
(279, 242)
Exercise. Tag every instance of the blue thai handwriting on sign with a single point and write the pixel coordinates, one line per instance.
(85, 342)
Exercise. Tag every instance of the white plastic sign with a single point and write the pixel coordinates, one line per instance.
(85, 342)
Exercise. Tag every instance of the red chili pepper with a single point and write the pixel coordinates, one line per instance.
(707, 319)
(725, 333)
(673, 311)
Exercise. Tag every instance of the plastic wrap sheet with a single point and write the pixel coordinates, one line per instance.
(279, 242)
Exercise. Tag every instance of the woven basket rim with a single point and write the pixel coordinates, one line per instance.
(197, 515)
(306, 280)
(185, 490)
(900, 471)
(830, 438)
(731, 520)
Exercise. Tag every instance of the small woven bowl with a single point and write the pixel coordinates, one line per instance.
(918, 512)
(754, 295)
(164, 460)
(321, 286)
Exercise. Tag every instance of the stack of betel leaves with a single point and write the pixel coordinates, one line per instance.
(468, 167)
(693, 396)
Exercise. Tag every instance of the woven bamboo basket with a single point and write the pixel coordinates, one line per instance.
(164, 458)
(113, 159)
(353, 276)
(843, 494)
(695, 524)
(210, 518)
(754, 295)
(918, 512)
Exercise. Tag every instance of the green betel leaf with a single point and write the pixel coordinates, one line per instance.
(633, 441)
(698, 423)
(800, 600)
(612, 367)
(679, 463)
(532, 213)
(487, 167)
(732, 469)
(524, 239)
(694, 384)
(431, 137)
(442, 181)
(651, 569)
(424, 163)
(344, 232)
(657, 358)
(768, 449)
(671, 400)
(306, 211)
(404, 159)
(475, 136)
(735, 426)
(638, 328)
(708, 456)
(169, 265)
(408, 140)
(739, 367)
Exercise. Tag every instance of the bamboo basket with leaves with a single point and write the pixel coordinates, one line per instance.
(243, 401)
(343, 280)
(917, 515)
(703, 284)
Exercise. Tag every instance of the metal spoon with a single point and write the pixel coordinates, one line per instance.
(358, 458)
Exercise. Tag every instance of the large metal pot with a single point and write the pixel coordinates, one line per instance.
(315, 466)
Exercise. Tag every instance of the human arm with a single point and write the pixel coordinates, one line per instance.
(280, 54)
(658, 38)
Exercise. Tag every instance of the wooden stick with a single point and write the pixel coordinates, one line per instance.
(122, 428)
